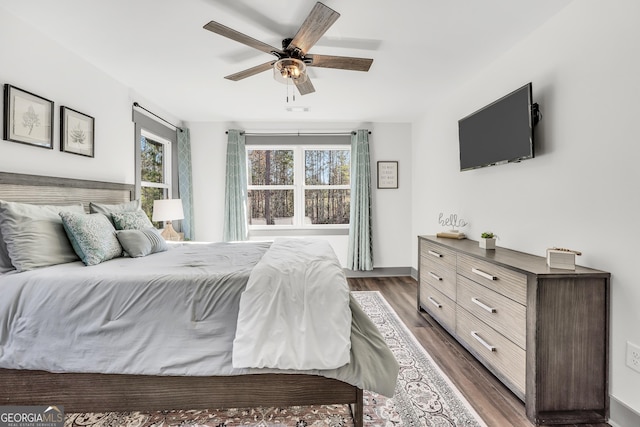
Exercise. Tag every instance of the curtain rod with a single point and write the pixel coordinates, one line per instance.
(296, 133)
(135, 104)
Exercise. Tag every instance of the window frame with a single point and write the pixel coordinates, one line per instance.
(145, 123)
(299, 186)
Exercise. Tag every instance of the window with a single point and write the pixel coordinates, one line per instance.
(155, 170)
(298, 186)
(156, 162)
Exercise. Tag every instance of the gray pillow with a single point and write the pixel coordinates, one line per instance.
(137, 220)
(34, 235)
(5, 261)
(106, 209)
(92, 237)
(139, 243)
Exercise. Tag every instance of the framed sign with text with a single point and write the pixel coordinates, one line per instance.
(387, 174)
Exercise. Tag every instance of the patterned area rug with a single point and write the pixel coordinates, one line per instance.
(424, 395)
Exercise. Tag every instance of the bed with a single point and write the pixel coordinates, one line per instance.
(176, 387)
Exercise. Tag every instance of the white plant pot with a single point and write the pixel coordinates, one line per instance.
(488, 243)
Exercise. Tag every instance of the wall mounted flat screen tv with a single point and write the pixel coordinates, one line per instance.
(499, 133)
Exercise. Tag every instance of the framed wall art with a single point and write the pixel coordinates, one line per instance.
(387, 174)
(76, 132)
(28, 118)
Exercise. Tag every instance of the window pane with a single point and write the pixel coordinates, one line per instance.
(270, 207)
(327, 167)
(327, 206)
(148, 195)
(152, 160)
(270, 167)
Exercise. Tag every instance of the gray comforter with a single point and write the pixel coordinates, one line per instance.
(171, 313)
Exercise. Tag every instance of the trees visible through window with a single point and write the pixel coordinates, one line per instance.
(327, 192)
(298, 186)
(155, 158)
(271, 181)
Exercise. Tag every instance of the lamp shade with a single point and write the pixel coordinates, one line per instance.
(292, 69)
(167, 210)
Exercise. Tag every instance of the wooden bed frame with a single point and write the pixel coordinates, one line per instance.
(113, 392)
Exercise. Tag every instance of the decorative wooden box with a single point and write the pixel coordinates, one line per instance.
(559, 258)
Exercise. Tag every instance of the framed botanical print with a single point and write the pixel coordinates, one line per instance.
(28, 118)
(76, 132)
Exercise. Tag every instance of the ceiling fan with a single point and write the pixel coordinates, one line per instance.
(293, 58)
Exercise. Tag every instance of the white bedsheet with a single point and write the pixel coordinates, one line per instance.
(294, 312)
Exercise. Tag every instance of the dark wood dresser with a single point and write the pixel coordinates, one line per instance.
(543, 332)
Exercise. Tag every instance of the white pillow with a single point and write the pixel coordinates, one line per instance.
(34, 235)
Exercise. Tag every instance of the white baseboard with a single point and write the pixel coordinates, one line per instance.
(620, 415)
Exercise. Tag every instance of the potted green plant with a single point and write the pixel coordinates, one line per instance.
(488, 240)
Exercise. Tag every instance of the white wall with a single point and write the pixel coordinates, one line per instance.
(391, 208)
(208, 156)
(581, 189)
(35, 63)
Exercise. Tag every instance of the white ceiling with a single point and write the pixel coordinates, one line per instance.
(421, 50)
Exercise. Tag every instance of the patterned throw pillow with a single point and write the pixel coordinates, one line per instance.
(136, 220)
(107, 209)
(138, 243)
(92, 237)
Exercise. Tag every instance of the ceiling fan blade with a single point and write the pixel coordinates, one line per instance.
(250, 71)
(317, 23)
(305, 87)
(341, 62)
(232, 34)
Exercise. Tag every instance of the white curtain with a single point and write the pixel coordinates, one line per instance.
(360, 254)
(235, 205)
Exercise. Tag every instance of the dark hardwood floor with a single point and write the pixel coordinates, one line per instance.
(492, 401)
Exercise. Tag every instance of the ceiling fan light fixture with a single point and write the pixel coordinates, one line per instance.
(286, 70)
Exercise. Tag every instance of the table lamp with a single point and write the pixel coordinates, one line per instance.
(168, 210)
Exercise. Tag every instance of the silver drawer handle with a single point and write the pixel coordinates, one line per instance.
(436, 254)
(483, 305)
(483, 342)
(435, 276)
(434, 302)
(483, 274)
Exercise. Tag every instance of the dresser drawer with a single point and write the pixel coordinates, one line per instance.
(509, 283)
(438, 254)
(438, 306)
(439, 276)
(507, 359)
(501, 313)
